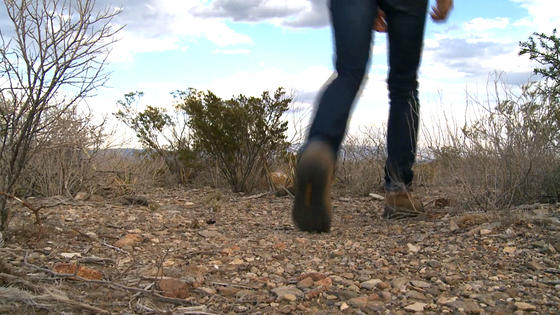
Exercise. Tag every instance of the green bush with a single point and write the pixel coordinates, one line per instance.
(242, 134)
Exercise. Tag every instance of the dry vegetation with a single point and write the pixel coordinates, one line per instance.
(198, 220)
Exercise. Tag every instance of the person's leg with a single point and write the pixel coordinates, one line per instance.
(352, 22)
(406, 21)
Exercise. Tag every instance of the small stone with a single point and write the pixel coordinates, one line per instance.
(509, 250)
(347, 295)
(512, 292)
(81, 196)
(416, 307)
(453, 226)
(287, 297)
(244, 293)
(415, 295)
(209, 291)
(370, 284)
(358, 302)
(386, 296)
(209, 234)
(280, 291)
(236, 261)
(534, 266)
(347, 275)
(383, 285)
(400, 283)
(305, 283)
(228, 291)
(343, 306)
(525, 306)
(485, 231)
(413, 248)
(92, 235)
(420, 284)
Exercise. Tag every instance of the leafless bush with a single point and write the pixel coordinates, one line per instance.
(360, 167)
(504, 154)
(52, 56)
(69, 156)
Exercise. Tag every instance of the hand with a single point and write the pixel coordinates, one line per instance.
(441, 10)
(380, 24)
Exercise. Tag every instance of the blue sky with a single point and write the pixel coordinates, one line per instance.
(236, 47)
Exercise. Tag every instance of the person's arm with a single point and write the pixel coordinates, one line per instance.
(441, 10)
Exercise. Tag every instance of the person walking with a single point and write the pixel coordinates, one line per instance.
(352, 22)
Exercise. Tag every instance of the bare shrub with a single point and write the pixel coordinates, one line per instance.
(504, 154)
(360, 166)
(70, 154)
(52, 56)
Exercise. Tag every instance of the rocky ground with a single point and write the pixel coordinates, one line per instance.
(211, 252)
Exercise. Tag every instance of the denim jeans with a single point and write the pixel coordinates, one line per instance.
(352, 22)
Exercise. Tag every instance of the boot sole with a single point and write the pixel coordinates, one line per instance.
(312, 211)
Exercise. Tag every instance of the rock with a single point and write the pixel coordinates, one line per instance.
(315, 276)
(209, 234)
(509, 250)
(305, 283)
(347, 275)
(453, 226)
(280, 291)
(244, 293)
(386, 296)
(358, 302)
(468, 306)
(415, 295)
(129, 239)
(236, 261)
(325, 283)
(512, 292)
(416, 307)
(347, 295)
(525, 306)
(383, 285)
(174, 288)
(420, 284)
(92, 235)
(485, 231)
(413, 248)
(81, 196)
(377, 197)
(400, 283)
(287, 297)
(228, 291)
(370, 284)
(209, 291)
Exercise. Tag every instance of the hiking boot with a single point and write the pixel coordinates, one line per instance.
(402, 204)
(312, 211)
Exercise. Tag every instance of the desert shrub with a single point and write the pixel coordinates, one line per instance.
(162, 136)
(242, 135)
(360, 165)
(504, 154)
(69, 156)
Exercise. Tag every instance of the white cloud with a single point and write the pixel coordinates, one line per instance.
(543, 14)
(125, 49)
(480, 24)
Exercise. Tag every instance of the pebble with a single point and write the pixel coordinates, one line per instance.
(370, 284)
(525, 306)
(416, 307)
